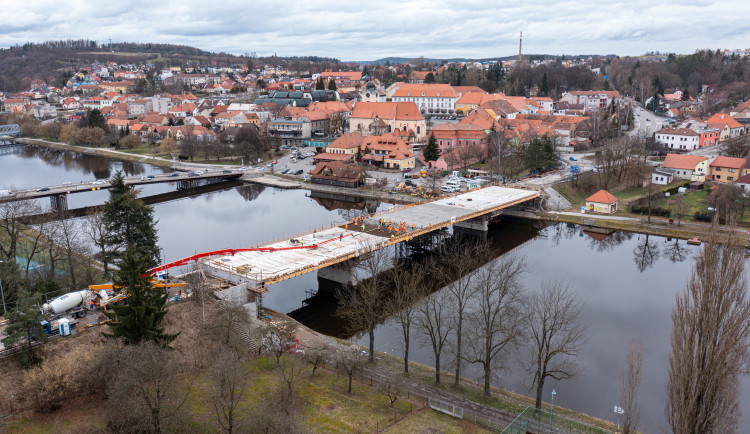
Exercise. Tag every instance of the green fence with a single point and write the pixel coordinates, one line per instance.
(542, 422)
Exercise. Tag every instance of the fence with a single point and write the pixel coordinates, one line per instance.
(446, 408)
(453, 410)
(544, 422)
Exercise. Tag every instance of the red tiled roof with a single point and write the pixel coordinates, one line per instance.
(730, 162)
(686, 162)
(602, 196)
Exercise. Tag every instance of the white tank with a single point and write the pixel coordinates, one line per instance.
(66, 302)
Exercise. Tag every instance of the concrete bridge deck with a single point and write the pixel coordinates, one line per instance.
(283, 260)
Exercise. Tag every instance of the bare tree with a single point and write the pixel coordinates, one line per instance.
(290, 369)
(97, 232)
(144, 395)
(11, 228)
(408, 282)
(316, 356)
(337, 124)
(361, 306)
(495, 326)
(349, 361)
(555, 334)
(631, 381)
(228, 380)
(277, 342)
(710, 341)
(433, 319)
(645, 253)
(463, 262)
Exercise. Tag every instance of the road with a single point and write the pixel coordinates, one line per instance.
(645, 122)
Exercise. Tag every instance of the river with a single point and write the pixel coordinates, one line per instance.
(628, 292)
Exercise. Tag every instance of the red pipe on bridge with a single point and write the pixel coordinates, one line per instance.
(185, 261)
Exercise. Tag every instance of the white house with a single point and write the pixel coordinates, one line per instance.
(429, 98)
(678, 138)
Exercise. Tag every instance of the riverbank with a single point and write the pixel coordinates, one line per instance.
(657, 226)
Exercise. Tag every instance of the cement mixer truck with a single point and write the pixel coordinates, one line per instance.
(72, 303)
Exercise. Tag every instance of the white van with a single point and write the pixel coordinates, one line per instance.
(6, 193)
(454, 183)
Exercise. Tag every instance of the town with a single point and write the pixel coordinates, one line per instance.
(407, 188)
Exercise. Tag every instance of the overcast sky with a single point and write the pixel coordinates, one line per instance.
(369, 30)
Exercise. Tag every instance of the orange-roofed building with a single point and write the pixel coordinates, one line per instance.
(463, 90)
(455, 136)
(367, 117)
(602, 202)
(726, 169)
(430, 98)
(342, 75)
(348, 143)
(736, 129)
(388, 151)
(692, 167)
(473, 100)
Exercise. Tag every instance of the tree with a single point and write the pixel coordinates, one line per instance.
(631, 381)
(429, 78)
(331, 84)
(167, 145)
(556, 336)
(337, 124)
(90, 136)
(320, 84)
(495, 326)
(130, 141)
(544, 87)
(407, 290)
(144, 395)
(431, 151)
(349, 361)
(434, 321)
(189, 146)
(709, 342)
(463, 262)
(228, 380)
(94, 118)
(361, 305)
(25, 324)
(96, 230)
(130, 222)
(140, 319)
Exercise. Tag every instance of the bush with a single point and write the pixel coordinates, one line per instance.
(655, 211)
(49, 384)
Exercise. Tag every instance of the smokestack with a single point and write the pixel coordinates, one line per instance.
(520, 48)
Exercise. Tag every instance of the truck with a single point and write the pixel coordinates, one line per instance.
(72, 303)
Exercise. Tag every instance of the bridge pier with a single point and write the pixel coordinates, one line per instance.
(59, 202)
(475, 224)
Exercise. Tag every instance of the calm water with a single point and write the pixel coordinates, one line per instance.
(628, 290)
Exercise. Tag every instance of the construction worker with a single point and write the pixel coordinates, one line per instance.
(363, 227)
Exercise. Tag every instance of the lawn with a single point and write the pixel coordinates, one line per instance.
(578, 198)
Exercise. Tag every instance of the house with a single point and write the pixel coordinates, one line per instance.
(662, 176)
(290, 131)
(349, 144)
(602, 202)
(592, 100)
(743, 182)
(429, 98)
(692, 167)
(726, 169)
(473, 100)
(683, 139)
(736, 129)
(388, 151)
(338, 174)
(381, 117)
(71, 103)
(455, 136)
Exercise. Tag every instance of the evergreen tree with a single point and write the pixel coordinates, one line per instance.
(320, 84)
(130, 222)
(540, 153)
(25, 324)
(544, 87)
(607, 86)
(429, 78)
(95, 118)
(139, 320)
(331, 84)
(685, 95)
(431, 151)
(179, 122)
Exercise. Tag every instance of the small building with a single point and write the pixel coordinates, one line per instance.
(662, 176)
(602, 202)
(692, 167)
(743, 182)
(338, 174)
(726, 169)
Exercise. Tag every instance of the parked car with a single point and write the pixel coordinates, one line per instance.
(299, 172)
(573, 159)
(269, 165)
(285, 171)
(274, 162)
(410, 183)
(448, 189)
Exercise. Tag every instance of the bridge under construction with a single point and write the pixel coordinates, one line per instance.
(255, 269)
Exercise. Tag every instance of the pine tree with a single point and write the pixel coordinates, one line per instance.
(544, 87)
(320, 84)
(431, 151)
(140, 318)
(130, 222)
(607, 86)
(332, 84)
(685, 95)
(94, 118)
(25, 324)
(429, 78)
